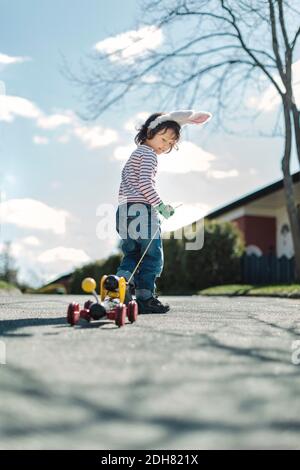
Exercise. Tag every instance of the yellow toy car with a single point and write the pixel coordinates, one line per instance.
(116, 302)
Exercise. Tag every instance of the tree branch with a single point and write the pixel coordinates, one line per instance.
(259, 64)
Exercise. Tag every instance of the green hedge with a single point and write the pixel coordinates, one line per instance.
(51, 289)
(217, 262)
(271, 290)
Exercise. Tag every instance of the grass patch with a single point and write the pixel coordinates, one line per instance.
(230, 289)
(274, 290)
(283, 290)
(5, 286)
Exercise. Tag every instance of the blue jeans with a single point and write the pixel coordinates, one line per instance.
(136, 224)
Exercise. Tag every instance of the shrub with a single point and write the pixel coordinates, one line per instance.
(51, 289)
(217, 262)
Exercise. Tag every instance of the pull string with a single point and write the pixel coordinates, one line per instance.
(147, 248)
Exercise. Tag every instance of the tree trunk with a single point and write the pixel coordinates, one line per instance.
(296, 121)
(289, 190)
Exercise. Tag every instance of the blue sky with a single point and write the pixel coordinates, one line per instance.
(56, 170)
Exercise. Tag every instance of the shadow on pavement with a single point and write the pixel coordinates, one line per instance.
(7, 327)
(95, 420)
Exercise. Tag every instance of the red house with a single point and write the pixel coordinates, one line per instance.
(262, 217)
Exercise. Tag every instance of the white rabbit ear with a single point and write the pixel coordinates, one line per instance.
(199, 118)
(181, 116)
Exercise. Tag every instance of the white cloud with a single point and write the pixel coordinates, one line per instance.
(188, 158)
(38, 269)
(40, 140)
(20, 247)
(2, 88)
(30, 213)
(184, 215)
(136, 121)
(270, 98)
(16, 106)
(92, 136)
(62, 253)
(266, 102)
(123, 152)
(53, 121)
(15, 248)
(219, 174)
(128, 47)
(8, 60)
(31, 241)
(95, 136)
(63, 139)
(53, 262)
(150, 79)
(2, 195)
(40, 266)
(12, 106)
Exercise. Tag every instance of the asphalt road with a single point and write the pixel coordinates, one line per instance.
(214, 373)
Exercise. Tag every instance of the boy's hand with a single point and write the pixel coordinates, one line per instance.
(165, 210)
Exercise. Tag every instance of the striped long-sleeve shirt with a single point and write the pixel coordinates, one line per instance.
(138, 177)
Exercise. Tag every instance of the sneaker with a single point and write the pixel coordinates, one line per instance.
(152, 305)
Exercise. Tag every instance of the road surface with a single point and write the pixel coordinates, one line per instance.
(214, 373)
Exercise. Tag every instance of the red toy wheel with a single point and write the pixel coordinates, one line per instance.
(73, 314)
(120, 315)
(132, 311)
(85, 314)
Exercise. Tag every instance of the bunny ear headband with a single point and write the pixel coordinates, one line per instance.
(182, 117)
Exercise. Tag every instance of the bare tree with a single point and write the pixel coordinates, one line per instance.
(8, 272)
(228, 45)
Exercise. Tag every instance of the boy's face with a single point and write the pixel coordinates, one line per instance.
(162, 141)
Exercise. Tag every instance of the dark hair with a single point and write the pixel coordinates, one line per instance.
(145, 133)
